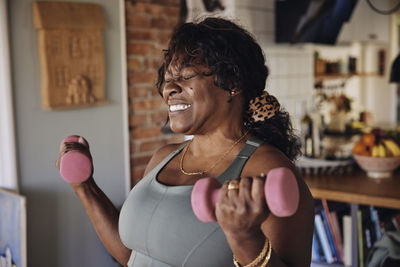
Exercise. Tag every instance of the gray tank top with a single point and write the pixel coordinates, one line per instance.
(158, 224)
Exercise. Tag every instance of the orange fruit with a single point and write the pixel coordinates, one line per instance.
(368, 139)
(360, 148)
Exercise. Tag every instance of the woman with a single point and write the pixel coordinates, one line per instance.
(213, 79)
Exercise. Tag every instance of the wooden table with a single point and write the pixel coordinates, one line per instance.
(356, 188)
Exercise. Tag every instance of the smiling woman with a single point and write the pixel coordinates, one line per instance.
(213, 79)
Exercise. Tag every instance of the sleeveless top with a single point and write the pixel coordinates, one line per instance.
(157, 222)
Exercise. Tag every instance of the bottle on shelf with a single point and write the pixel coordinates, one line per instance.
(308, 144)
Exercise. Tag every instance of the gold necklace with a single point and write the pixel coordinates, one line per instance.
(216, 162)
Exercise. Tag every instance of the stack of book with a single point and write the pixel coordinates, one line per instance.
(332, 241)
(328, 245)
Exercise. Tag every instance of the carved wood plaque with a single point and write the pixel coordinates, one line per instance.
(71, 54)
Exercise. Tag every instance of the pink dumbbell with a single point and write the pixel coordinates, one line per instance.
(75, 166)
(281, 195)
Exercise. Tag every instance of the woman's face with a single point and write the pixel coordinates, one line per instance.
(195, 104)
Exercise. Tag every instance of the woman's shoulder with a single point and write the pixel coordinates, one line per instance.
(160, 154)
(265, 158)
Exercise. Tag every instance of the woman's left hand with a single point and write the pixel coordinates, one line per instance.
(241, 211)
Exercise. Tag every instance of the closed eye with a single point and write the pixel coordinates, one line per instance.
(182, 78)
(188, 77)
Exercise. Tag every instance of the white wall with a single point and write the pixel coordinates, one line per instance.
(367, 25)
(291, 66)
(291, 78)
(59, 231)
(8, 159)
(258, 17)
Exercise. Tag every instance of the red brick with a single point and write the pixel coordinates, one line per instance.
(152, 9)
(159, 117)
(139, 91)
(158, 49)
(172, 11)
(138, 21)
(140, 161)
(132, 147)
(135, 8)
(142, 77)
(129, 7)
(149, 24)
(152, 145)
(137, 119)
(141, 34)
(139, 49)
(172, 22)
(152, 63)
(167, 2)
(164, 36)
(134, 64)
(151, 104)
(160, 23)
(154, 91)
(146, 132)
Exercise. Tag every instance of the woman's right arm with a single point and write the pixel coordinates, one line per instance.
(104, 216)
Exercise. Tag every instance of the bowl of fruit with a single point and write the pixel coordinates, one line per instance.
(377, 154)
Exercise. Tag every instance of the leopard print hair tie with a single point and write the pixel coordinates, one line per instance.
(263, 107)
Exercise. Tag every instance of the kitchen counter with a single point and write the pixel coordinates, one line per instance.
(356, 188)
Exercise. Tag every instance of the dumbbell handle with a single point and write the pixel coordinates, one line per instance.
(75, 166)
(280, 188)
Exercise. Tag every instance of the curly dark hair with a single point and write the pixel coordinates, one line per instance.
(232, 54)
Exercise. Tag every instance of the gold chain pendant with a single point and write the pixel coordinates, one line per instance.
(216, 162)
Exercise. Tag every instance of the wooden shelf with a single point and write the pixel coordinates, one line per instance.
(356, 188)
(343, 76)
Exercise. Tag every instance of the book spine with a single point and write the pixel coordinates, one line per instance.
(360, 239)
(347, 244)
(375, 221)
(315, 252)
(318, 247)
(335, 239)
(329, 235)
(324, 239)
(337, 235)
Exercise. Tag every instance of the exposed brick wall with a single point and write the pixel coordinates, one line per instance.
(149, 24)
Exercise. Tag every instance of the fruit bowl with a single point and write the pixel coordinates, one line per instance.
(377, 167)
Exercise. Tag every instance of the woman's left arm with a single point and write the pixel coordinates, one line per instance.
(248, 225)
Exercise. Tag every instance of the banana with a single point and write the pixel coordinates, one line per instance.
(389, 152)
(381, 151)
(392, 146)
(375, 151)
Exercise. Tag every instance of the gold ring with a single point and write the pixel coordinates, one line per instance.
(233, 186)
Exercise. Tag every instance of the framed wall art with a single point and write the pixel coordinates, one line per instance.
(71, 54)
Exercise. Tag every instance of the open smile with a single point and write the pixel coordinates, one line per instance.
(179, 107)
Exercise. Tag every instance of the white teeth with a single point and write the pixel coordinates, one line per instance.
(178, 107)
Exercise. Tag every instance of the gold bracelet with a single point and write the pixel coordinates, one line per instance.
(236, 263)
(260, 256)
(264, 264)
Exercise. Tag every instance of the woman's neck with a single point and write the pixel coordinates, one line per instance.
(218, 141)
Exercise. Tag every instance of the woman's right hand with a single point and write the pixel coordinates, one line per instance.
(74, 160)
(240, 212)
